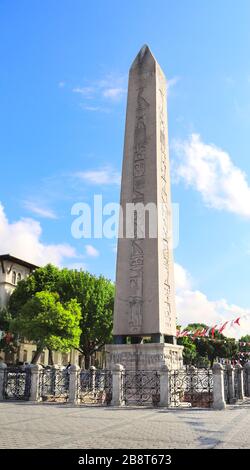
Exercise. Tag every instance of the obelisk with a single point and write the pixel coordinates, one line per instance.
(144, 313)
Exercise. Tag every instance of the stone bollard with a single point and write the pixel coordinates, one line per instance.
(35, 370)
(239, 371)
(164, 386)
(218, 390)
(3, 367)
(247, 378)
(73, 383)
(229, 370)
(117, 385)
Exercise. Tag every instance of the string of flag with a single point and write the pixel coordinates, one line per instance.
(210, 330)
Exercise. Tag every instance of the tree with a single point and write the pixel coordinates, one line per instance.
(49, 323)
(95, 296)
(189, 351)
(207, 348)
(8, 341)
(244, 350)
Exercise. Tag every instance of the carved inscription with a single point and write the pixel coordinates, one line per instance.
(165, 214)
(136, 261)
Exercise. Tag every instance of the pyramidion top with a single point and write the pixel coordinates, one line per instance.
(145, 60)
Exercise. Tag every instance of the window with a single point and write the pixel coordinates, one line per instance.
(19, 277)
(14, 277)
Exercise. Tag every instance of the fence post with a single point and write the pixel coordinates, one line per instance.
(239, 372)
(3, 366)
(247, 378)
(230, 371)
(73, 383)
(164, 385)
(117, 385)
(218, 391)
(35, 370)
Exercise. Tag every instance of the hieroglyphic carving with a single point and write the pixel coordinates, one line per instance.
(165, 214)
(137, 256)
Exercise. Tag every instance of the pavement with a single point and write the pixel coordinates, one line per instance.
(26, 425)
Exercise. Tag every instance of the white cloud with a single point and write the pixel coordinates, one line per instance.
(104, 176)
(114, 93)
(193, 306)
(86, 91)
(112, 87)
(41, 211)
(172, 82)
(210, 171)
(61, 84)
(22, 239)
(91, 251)
(95, 108)
(77, 266)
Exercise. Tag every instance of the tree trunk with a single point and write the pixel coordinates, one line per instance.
(81, 361)
(51, 362)
(87, 360)
(37, 355)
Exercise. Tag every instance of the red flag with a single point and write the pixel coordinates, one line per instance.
(197, 333)
(223, 327)
(213, 330)
(237, 321)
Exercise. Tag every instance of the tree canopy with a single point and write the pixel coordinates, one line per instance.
(206, 347)
(49, 323)
(94, 295)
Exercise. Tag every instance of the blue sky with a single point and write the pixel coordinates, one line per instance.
(63, 83)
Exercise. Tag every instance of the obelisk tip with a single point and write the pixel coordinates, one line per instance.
(143, 54)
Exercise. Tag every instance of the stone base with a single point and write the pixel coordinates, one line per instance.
(149, 356)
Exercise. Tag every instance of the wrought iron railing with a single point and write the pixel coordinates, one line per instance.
(141, 387)
(236, 383)
(17, 382)
(95, 387)
(54, 384)
(245, 379)
(191, 387)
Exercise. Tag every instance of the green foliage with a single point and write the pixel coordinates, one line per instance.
(5, 326)
(95, 296)
(246, 348)
(201, 350)
(49, 323)
(189, 351)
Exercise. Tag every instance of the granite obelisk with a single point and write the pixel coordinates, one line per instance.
(145, 298)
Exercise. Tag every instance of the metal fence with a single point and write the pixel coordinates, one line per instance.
(141, 388)
(226, 385)
(184, 387)
(191, 387)
(246, 383)
(17, 382)
(94, 387)
(54, 384)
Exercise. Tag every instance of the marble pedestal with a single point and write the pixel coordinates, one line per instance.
(149, 356)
